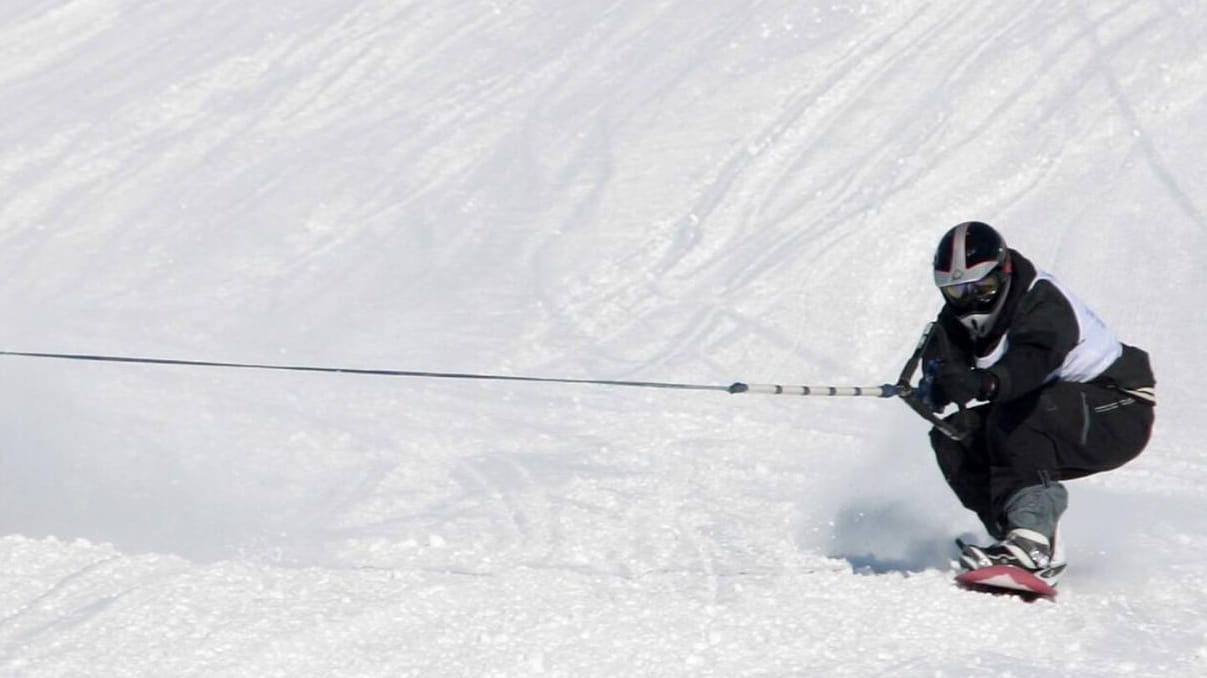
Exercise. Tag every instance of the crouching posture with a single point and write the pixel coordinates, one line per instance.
(1063, 397)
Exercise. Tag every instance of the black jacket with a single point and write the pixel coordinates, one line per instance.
(1038, 327)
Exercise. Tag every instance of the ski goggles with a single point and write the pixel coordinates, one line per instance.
(975, 293)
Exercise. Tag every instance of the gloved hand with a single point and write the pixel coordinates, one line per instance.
(960, 384)
(926, 386)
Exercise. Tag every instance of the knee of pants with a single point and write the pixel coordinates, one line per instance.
(1028, 445)
(1036, 459)
(964, 470)
(950, 454)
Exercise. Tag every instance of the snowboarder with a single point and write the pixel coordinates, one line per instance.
(1062, 397)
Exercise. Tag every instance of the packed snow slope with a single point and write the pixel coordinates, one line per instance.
(682, 191)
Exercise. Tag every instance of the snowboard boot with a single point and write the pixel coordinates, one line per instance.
(1025, 549)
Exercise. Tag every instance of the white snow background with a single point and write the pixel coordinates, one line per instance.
(675, 190)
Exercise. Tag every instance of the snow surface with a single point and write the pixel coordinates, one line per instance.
(671, 191)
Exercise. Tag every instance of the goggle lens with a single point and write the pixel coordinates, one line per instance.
(969, 293)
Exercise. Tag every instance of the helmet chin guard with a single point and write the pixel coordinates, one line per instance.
(980, 324)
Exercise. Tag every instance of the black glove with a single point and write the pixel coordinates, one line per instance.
(959, 384)
(926, 386)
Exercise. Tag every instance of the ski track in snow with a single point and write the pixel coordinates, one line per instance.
(670, 191)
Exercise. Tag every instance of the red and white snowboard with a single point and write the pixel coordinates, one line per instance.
(1006, 579)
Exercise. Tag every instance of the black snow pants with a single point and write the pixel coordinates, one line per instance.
(1060, 432)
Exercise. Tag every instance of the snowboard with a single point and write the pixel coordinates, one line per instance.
(1008, 580)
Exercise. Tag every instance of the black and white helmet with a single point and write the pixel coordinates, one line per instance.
(972, 270)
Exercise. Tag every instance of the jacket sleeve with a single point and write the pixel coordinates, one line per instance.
(1043, 332)
(949, 342)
